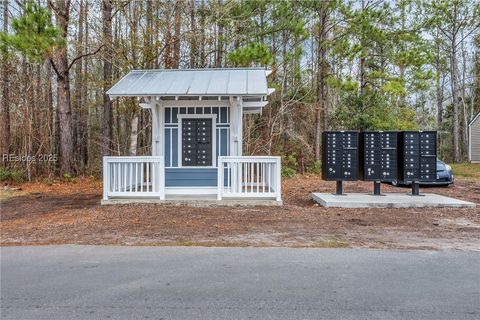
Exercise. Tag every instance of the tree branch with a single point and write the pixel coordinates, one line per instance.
(54, 67)
(84, 56)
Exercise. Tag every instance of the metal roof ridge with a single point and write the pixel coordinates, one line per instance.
(196, 69)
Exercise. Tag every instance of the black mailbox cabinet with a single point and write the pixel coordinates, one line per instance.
(340, 156)
(417, 152)
(378, 158)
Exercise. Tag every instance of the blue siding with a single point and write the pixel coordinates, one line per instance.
(173, 148)
(167, 147)
(190, 177)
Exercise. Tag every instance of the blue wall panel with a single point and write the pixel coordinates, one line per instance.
(167, 148)
(190, 177)
(175, 147)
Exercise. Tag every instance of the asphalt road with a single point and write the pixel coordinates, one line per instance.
(95, 282)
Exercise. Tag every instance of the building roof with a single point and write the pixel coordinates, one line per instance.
(475, 117)
(192, 82)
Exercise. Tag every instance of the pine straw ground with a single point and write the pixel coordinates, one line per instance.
(70, 213)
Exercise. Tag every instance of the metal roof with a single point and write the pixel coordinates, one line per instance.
(192, 82)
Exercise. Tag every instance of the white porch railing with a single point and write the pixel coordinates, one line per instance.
(133, 177)
(249, 177)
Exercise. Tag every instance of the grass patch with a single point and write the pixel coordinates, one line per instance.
(467, 170)
(331, 243)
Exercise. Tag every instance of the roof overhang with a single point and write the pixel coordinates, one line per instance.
(192, 83)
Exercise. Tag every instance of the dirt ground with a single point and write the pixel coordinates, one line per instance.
(71, 214)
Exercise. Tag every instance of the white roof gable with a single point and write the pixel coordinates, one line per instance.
(192, 82)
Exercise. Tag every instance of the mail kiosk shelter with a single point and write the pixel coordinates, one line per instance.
(196, 152)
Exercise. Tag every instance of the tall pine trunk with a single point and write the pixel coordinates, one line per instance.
(176, 35)
(454, 86)
(219, 48)
(321, 116)
(107, 77)
(4, 99)
(64, 107)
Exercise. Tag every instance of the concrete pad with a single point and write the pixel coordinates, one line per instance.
(388, 200)
(196, 201)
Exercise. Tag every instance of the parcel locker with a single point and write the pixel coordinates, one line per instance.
(340, 156)
(378, 159)
(417, 156)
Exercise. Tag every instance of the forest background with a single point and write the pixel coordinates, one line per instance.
(361, 65)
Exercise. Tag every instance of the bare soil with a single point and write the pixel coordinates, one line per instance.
(71, 213)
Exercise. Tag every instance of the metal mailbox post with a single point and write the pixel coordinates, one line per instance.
(340, 157)
(378, 160)
(417, 152)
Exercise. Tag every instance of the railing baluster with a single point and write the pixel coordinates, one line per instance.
(228, 176)
(258, 176)
(263, 177)
(148, 175)
(130, 173)
(269, 177)
(125, 175)
(154, 177)
(141, 177)
(251, 176)
(245, 174)
(136, 176)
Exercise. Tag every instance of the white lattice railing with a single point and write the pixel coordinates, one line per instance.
(249, 177)
(133, 177)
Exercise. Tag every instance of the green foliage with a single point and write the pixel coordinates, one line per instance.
(314, 167)
(254, 52)
(34, 36)
(406, 119)
(68, 177)
(289, 165)
(7, 174)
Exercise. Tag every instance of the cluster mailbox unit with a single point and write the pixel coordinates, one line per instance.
(408, 156)
(340, 157)
(379, 157)
(418, 157)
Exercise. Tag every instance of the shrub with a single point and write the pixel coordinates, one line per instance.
(68, 177)
(7, 174)
(314, 167)
(289, 165)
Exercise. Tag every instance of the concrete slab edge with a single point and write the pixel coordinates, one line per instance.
(196, 203)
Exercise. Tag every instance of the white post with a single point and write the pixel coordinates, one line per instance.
(235, 127)
(220, 178)
(279, 179)
(162, 178)
(106, 178)
(157, 127)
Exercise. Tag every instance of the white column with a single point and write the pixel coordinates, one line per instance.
(236, 119)
(157, 128)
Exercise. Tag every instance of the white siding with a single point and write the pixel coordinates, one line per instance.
(475, 140)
